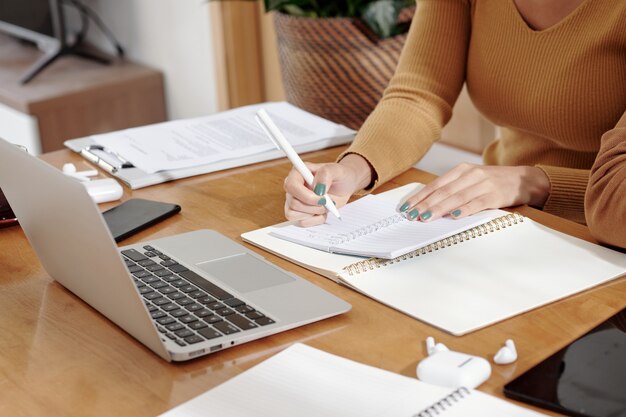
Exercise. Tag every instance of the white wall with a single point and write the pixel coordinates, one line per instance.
(173, 36)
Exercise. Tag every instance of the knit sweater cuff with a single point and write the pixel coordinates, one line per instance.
(567, 192)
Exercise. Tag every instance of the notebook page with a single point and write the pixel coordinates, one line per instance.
(372, 227)
(305, 382)
(481, 281)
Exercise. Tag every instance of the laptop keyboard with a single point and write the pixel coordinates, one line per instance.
(186, 307)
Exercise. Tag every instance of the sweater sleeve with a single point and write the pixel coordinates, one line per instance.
(567, 192)
(418, 100)
(605, 201)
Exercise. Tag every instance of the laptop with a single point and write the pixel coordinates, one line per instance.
(182, 296)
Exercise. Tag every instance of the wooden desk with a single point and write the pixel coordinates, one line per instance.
(61, 357)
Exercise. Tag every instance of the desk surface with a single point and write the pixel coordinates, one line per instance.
(61, 357)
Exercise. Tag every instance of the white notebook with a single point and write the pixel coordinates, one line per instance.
(373, 227)
(305, 382)
(470, 280)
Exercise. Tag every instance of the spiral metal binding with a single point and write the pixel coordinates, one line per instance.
(366, 230)
(445, 403)
(491, 226)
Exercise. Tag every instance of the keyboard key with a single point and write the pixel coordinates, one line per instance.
(175, 295)
(254, 315)
(170, 336)
(146, 262)
(187, 319)
(141, 274)
(225, 312)
(234, 302)
(180, 342)
(161, 329)
(164, 257)
(188, 288)
(178, 283)
(164, 273)
(203, 313)
(138, 283)
(159, 284)
(168, 262)
(177, 268)
(134, 268)
(207, 286)
(184, 301)
(150, 254)
(134, 255)
(169, 307)
(166, 320)
(197, 294)
(129, 263)
(151, 308)
(206, 300)
(145, 290)
(174, 327)
(244, 309)
(241, 322)
(184, 333)
(150, 279)
(193, 339)
(225, 327)
(148, 247)
(215, 305)
(153, 268)
(209, 333)
(264, 321)
(167, 289)
(161, 301)
(194, 307)
(212, 319)
(152, 295)
(197, 325)
(157, 314)
(179, 313)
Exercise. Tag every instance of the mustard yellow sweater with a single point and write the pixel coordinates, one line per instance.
(554, 92)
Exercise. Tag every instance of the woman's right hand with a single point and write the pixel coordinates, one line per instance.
(338, 180)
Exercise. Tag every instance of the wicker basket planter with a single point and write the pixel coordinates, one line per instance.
(335, 67)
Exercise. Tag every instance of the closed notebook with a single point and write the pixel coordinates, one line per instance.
(305, 382)
(472, 279)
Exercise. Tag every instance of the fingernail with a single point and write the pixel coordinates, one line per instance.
(413, 214)
(426, 215)
(405, 206)
(456, 213)
(321, 201)
(320, 189)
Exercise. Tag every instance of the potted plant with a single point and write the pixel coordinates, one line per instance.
(337, 57)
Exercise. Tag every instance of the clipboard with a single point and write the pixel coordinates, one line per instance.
(136, 178)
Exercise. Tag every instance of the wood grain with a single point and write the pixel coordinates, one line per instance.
(61, 357)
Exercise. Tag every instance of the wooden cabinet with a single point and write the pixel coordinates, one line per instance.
(73, 97)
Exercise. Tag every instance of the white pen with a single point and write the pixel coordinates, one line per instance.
(280, 141)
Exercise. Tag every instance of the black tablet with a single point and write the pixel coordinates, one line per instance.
(586, 378)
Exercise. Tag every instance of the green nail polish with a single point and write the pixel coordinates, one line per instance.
(413, 214)
(405, 206)
(320, 189)
(322, 201)
(456, 213)
(426, 215)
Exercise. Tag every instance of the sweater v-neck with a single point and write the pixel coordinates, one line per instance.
(563, 22)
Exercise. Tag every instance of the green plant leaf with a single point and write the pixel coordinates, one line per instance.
(382, 16)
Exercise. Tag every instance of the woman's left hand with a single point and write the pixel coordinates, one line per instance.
(467, 189)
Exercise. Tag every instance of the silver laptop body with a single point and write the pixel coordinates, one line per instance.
(74, 245)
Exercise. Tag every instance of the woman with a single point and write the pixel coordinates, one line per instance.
(605, 201)
(551, 73)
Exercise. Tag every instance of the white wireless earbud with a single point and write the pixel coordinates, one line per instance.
(432, 348)
(507, 353)
(70, 171)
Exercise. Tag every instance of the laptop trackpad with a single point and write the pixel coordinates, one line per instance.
(244, 272)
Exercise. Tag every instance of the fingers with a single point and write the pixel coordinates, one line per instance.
(295, 185)
(465, 190)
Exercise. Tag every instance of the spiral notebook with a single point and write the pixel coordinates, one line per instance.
(305, 382)
(471, 279)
